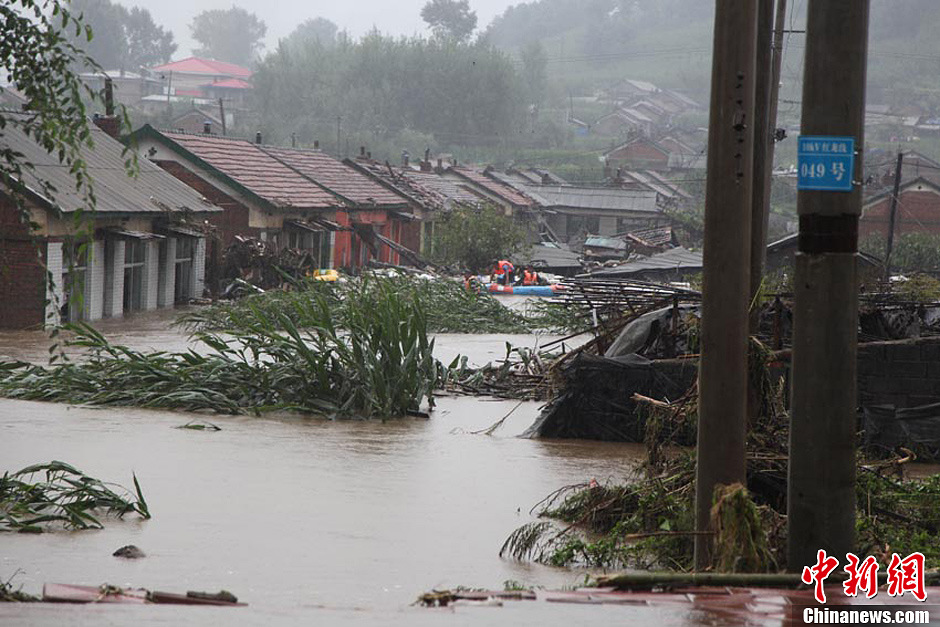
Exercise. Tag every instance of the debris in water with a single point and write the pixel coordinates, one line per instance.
(129, 551)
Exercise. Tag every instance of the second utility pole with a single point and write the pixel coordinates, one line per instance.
(722, 419)
(821, 487)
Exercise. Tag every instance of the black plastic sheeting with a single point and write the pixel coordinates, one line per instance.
(596, 403)
(887, 428)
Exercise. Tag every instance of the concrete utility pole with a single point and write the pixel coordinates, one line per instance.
(821, 489)
(892, 217)
(769, 58)
(723, 364)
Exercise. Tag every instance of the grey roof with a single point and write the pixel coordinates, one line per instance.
(674, 259)
(598, 198)
(548, 256)
(152, 191)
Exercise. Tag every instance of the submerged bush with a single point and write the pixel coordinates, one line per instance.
(369, 358)
(449, 307)
(62, 495)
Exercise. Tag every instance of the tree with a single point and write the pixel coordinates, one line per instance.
(122, 38)
(534, 63)
(232, 35)
(450, 19)
(318, 29)
(475, 237)
(146, 43)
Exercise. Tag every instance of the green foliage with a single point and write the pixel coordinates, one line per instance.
(475, 237)
(378, 87)
(232, 35)
(912, 252)
(449, 306)
(450, 19)
(318, 30)
(63, 495)
(370, 359)
(123, 38)
(921, 288)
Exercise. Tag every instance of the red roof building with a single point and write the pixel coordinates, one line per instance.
(204, 78)
(918, 210)
(285, 196)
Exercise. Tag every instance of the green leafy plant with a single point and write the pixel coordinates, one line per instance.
(38, 496)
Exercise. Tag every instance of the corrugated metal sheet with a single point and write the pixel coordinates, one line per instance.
(676, 259)
(542, 256)
(152, 191)
(599, 198)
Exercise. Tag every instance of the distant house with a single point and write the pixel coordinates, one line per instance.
(511, 200)
(195, 120)
(141, 248)
(630, 89)
(781, 257)
(623, 122)
(571, 211)
(665, 153)
(918, 210)
(285, 196)
(880, 167)
(194, 77)
(129, 87)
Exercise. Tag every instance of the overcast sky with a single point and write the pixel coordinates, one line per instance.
(398, 17)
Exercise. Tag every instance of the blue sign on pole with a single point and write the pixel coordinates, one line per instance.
(825, 163)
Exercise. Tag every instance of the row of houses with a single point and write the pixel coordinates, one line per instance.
(157, 239)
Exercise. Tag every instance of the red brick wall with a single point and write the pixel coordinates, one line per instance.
(22, 275)
(232, 221)
(918, 211)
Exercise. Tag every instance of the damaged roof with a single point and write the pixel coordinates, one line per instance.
(676, 259)
(602, 198)
(247, 165)
(505, 192)
(337, 177)
(152, 191)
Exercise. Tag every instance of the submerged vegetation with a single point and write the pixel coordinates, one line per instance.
(55, 493)
(369, 358)
(449, 307)
(648, 522)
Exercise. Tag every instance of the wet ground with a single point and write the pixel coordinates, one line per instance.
(309, 521)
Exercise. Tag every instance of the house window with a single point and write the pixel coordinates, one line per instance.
(133, 274)
(315, 243)
(185, 254)
(73, 281)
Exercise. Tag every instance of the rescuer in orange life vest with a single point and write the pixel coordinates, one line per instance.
(503, 272)
(530, 276)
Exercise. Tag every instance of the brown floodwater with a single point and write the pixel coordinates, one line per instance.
(309, 521)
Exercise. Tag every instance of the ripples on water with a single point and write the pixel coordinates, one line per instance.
(309, 521)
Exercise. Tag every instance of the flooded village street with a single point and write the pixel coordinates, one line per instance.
(304, 519)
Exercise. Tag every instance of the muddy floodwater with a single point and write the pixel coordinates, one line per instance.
(307, 520)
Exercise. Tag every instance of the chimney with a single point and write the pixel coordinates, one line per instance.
(316, 144)
(293, 140)
(109, 123)
(207, 127)
(108, 96)
(369, 155)
(440, 165)
(258, 137)
(425, 166)
(546, 179)
(362, 151)
(404, 158)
